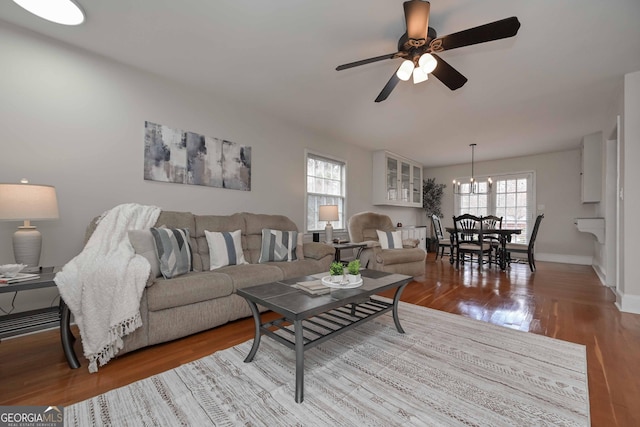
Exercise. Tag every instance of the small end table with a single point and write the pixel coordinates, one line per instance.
(348, 245)
(42, 318)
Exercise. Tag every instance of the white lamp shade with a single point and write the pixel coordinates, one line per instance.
(20, 202)
(328, 213)
(405, 70)
(63, 12)
(428, 63)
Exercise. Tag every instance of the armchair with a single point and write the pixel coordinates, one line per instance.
(409, 259)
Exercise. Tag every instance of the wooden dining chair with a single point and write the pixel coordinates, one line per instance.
(527, 249)
(466, 240)
(492, 222)
(442, 241)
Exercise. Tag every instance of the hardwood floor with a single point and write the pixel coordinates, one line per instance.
(560, 300)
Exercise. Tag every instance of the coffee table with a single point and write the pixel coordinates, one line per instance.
(309, 320)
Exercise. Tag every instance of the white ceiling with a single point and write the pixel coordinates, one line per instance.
(540, 91)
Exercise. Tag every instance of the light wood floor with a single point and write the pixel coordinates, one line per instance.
(561, 301)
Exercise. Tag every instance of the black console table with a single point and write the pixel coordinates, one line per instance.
(34, 320)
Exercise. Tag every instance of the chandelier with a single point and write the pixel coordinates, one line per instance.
(472, 187)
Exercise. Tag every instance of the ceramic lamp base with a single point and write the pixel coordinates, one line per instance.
(328, 233)
(27, 244)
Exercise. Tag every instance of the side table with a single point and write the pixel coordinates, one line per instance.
(42, 318)
(348, 245)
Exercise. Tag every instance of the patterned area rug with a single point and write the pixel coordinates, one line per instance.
(446, 370)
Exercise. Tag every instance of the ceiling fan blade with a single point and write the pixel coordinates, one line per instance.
(484, 33)
(447, 74)
(416, 15)
(386, 90)
(369, 60)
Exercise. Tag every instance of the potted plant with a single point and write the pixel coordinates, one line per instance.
(353, 269)
(432, 202)
(336, 270)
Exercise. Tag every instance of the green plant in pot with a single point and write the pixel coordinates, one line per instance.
(353, 271)
(336, 270)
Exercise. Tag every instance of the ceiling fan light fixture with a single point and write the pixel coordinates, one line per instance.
(405, 70)
(419, 75)
(64, 12)
(428, 63)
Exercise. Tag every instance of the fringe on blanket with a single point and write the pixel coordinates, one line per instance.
(116, 332)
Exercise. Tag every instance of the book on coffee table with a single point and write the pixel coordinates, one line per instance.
(313, 287)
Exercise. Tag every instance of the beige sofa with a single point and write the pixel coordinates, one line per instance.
(202, 299)
(409, 260)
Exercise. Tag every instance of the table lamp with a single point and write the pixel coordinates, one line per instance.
(328, 213)
(27, 202)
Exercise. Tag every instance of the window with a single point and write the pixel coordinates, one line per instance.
(325, 186)
(511, 197)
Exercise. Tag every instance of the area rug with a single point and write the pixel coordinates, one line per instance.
(446, 370)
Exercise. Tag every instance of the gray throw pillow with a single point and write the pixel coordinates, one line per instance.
(173, 250)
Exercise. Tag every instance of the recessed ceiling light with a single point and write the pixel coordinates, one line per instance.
(64, 12)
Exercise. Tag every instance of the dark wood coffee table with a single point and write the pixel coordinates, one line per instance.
(311, 320)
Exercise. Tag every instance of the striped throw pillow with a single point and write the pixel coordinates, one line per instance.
(225, 248)
(278, 245)
(390, 239)
(173, 250)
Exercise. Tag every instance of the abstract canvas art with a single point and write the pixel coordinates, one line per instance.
(173, 155)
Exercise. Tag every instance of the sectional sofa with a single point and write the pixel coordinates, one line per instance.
(202, 299)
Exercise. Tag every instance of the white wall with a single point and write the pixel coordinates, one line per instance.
(557, 188)
(76, 121)
(629, 282)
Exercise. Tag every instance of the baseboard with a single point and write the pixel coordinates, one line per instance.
(628, 303)
(565, 259)
(602, 275)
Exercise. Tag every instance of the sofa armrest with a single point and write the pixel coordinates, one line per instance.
(410, 243)
(316, 250)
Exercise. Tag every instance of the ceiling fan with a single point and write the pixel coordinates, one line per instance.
(418, 47)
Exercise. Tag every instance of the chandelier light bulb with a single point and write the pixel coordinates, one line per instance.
(405, 70)
(428, 63)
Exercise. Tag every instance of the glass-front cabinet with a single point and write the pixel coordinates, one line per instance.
(396, 181)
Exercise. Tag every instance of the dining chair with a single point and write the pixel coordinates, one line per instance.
(492, 222)
(527, 249)
(442, 241)
(466, 240)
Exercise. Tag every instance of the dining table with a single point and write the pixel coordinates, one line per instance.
(503, 235)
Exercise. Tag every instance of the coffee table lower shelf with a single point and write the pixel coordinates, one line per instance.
(325, 326)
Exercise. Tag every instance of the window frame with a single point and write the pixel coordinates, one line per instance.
(329, 158)
(492, 199)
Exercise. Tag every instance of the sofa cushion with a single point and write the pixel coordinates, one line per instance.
(393, 256)
(172, 219)
(216, 223)
(300, 268)
(246, 275)
(144, 245)
(278, 245)
(225, 248)
(254, 225)
(188, 289)
(173, 250)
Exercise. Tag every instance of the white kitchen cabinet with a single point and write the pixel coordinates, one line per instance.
(397, 181)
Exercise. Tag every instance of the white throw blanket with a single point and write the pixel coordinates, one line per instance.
(103, 285)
